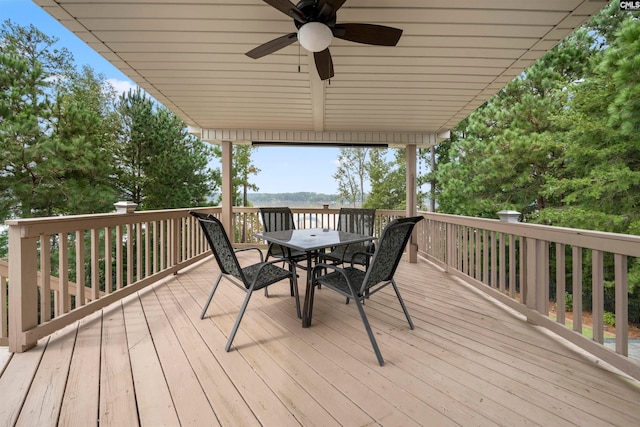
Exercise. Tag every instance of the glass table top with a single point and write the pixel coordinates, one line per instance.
(311, 239)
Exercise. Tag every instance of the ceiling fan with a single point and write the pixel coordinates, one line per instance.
(316, 24)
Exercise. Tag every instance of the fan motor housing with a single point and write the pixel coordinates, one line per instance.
(309, 9)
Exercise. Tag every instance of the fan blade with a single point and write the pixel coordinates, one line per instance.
(327, 8)
(335, 4)
(368, 33)
(324, 64)
(272, 46)
(288, 8)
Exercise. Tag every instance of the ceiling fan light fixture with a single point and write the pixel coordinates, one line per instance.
(315, 36)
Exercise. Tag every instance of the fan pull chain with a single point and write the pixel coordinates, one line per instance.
(298, 57)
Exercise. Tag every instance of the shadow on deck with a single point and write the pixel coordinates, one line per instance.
(150, 360)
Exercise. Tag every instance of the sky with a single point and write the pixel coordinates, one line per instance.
(282, 169)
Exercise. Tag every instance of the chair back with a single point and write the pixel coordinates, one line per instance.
(277, 219)
(389, 251)
(220, 245)
(358, 221)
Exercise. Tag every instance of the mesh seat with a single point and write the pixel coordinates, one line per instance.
(356, 284)
(250, 278)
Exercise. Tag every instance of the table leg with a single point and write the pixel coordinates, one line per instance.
(308, 295)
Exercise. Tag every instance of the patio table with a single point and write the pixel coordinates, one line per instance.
(310, 241)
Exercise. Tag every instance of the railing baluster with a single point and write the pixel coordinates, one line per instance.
(485, 257)
(155, 246)
(561, 283)
(577, 288)
(80, 301)
(119, 255)
(502, 263)
(139, 247)
(622, 304)
(163, 244)
(494, 260)
(64, 304)
(45, 278)
(147, 249)
(513, 268)
(597, 289)
(129, 228)
(108, 260)
(95, 264)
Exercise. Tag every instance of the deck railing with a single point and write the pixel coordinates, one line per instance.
(59, 266)
(531, 267)
(108, 256)
(64, 268)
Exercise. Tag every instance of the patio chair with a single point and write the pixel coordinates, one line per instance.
(251, 278)
(358, 221)
(278, 219)
(356, 284)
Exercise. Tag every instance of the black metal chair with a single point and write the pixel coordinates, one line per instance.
(357, 284)
(251, 278)
(278, 219)
(358, 221)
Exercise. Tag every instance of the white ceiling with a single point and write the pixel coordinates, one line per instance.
(452, 56)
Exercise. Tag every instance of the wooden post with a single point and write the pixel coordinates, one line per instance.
(412, 200)
(537, 260)
(23, 288)
(227, 188)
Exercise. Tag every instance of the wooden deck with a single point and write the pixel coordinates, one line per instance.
(150, 360)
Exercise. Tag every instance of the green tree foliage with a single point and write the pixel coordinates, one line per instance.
(29, 66)
(242, 169)
(351, 175)
(388, 180)
(67, 146)
(510, 146)
(159, 165)
(560, 143)
(79, 164)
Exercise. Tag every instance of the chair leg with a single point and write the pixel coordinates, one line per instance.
(372, 338)
(296, 293)
(266, 258)
(238, 319)
(213, 291)
(404, 308)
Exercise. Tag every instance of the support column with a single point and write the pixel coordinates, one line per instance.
(412, 200)
(227, 188)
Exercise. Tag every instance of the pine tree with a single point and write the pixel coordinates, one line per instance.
(159, 165)
(28, 62)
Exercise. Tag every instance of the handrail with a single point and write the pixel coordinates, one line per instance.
(520, 265)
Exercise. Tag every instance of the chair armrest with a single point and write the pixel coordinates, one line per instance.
(319, 267)
(366, 255)
(251, 249)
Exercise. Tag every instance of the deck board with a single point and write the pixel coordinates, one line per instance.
(191, 403)
(469, 361)
(117, 393)
(42, 403)
(15, 382)
(155, 406)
